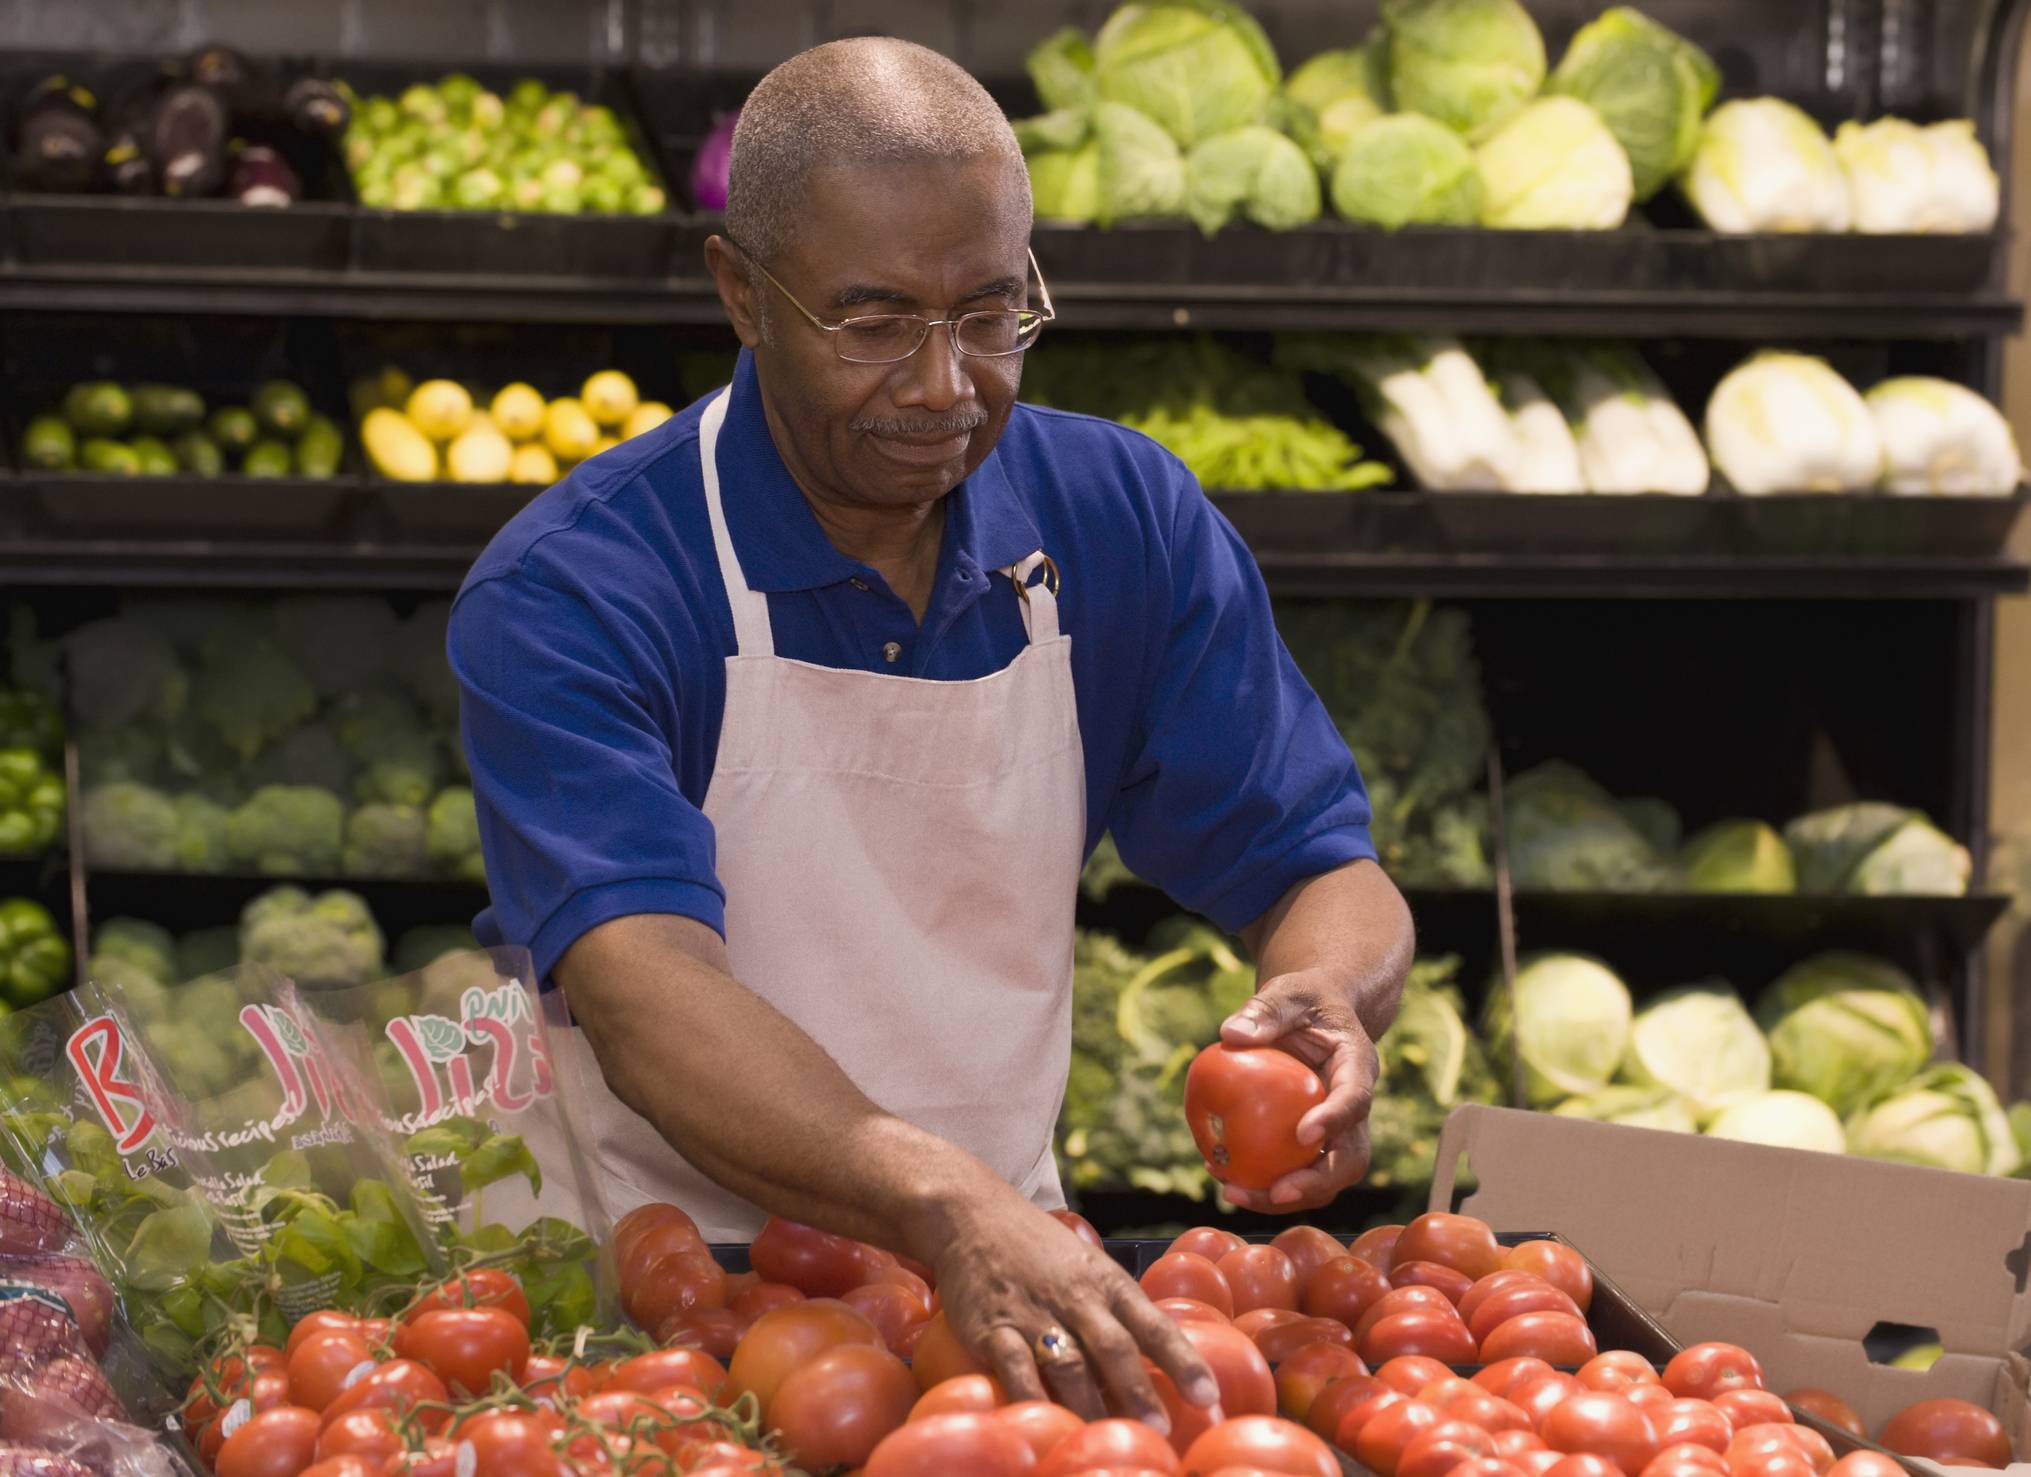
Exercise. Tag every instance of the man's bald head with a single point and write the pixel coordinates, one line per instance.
(864, 101)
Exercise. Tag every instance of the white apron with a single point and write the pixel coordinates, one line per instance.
(901, 862)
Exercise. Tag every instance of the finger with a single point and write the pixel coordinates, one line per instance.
(1008, 1355)
(1318, 1184)
(1070, 1381)
(1350, 1089)
(1166, 1344)
(1275, 1010)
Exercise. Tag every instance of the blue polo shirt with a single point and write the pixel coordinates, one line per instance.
(590, 638)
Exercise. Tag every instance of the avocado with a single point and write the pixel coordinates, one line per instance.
(154, 455)
(319, 448)
(49, 443)
(234, 428)
(167, 410)
(268, 459)
(282, 408)
(199, 455)
(101, 455)
(98, 408)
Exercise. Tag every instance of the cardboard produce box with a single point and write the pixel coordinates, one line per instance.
(1796, 1256)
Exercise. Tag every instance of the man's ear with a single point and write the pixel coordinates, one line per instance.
(736, 289)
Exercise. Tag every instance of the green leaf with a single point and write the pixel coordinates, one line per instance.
(442, 1039)
(315, 1242)
(92, 1149)
(168, 1342)
(288, 1170)
(499, 1158)
(372, 1200)
(489, 1240)
(168, 1246)
(185, 1307)
(386, 1246)
(74, 1187)
(561, 1297)
(435, 1143)
(561, 1239)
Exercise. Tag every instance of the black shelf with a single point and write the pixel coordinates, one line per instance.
(183, 901)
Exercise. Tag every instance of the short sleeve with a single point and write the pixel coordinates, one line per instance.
(581, 816)
(1238, 785)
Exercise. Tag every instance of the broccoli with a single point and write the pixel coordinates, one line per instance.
(140, 991)
(330, 939)
(385, 841)
(130, 825)
(454, 834)
(288, 829)
(122, 671)
(250, 695)
(201, 834)
(403, 773)
(375, 724)
(310, 755)
(340, 641)
(120, 754)
(424, 946)
(207, 951)
(147, 946)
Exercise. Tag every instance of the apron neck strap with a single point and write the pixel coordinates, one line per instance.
(1039, 601)
(752, 634)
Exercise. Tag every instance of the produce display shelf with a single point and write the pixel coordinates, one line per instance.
(208, 899)
(1800, 923)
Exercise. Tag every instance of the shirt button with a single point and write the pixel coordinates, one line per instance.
(891, 651)
(858, 584)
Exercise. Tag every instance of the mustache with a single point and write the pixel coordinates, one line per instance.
(943, 425)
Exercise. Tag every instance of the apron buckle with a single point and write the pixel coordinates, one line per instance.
(1052, 580)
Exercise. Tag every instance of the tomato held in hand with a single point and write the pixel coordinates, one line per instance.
(834, 1411)
(1186, 1274)
(1308, 1370)
(1127, 1445)
(1558, 1264)
(467, 1347)
(1438, 1450)
(1343, 1289)
(1705, 1370)
(975, 1444)
(1602, 1424)
(1556, 1338)
(1243, 1107)
(275, 1443)
(1830, 1408)
(1265, 1443)
(1948, 1430)
(1260, 1277)
(1461, 1242)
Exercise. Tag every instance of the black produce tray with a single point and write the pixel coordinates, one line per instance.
(185, 901)
(1802, 922)
(517, 243)
(462, 514)
(228, 508)
(1874, 523)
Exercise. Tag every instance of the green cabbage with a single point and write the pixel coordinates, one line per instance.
(1254, 172)
(1874, 849)
(1061, 68)
(1471, 64)
(1555, 166)
(1197, 67)
(1701, 1045)
(1336, 94)
(1406, 171)
(1141, 172)
(1845, 1028)
(1946, 1117)
(1567, 834)
(1065, 183)
(1650, 85)
(1635, 1107)
(1569, 1023)
(1738, 856)
(1790, 1120)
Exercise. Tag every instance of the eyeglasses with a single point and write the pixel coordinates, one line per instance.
(890, 338)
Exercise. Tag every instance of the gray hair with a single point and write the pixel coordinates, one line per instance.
(866, 100)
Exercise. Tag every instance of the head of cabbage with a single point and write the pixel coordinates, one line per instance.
(1873, 849)
(1700, 1044)
(1787, 422)
(1788, 1120)
(1254, 172)
(1634, 1107)
(1061, 68)
(1739, 856)
(1555, 166)
(1947, 1117)
(1197, 67)
(1063, 156)
(1845, 1027)
(1407, 170)
(1471, 64)
(1335, 95)
(1141, 172)
(1763, 164)
(1650, 85)
(1567, 1025)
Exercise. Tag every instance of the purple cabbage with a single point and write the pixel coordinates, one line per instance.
(708, 170)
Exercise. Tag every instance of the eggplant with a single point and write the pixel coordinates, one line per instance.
(316, 107)
(186, 140)
(60, 142)
(126, 167)
(228, 73)
(261, 176)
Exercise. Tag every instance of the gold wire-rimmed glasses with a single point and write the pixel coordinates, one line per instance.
(890, 338)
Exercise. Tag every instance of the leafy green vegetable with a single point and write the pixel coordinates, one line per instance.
(1554, 166)
(1876, 849)
(1634, 1107)
(1430, 1064)
(1568, 1022)
(1845, 1028)
(1947, 1117)
(1789, 1120)
(1566, 833)
(1701, 1045)
(1335, 95)
(1738, 856)
(1253, 172)
(329, 939)
(1141, 172)
(1196, 67)
(130, 825)
(1061, 67)
(1470, 64)
(1406, 171)
(1650, 85)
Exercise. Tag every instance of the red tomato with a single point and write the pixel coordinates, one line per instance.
(1537, 1396)
(1686, 1459)
(549, 1378)
(1435, 1275)
(1692, 1423)
(979, 1445)
(962, 1394)
(1649, 1397)
(910, 1282)
(483, 1287)
(759, 1298)
(1079, 1226)
(1403, 1300)
(1488, 1466)
(669, 1239)
(275, 1443)
(398, 1387)
(1806, 1442)
(324, 1320)
(1246, 1385)
(468, 1346)
(1505, 1303)
(1243, 1107)
(1751, 1408)
(1306, 1371)
(727, 1459)
(816, 1263)
(438, 1458)
(1188, 1421)
(834, 1411)
(344, 1465)
(893, 1310)
(714, 1331)
(1412, 1373)
(1457, 1241)
(507, 1443)
(1438, 1450)
(1040, 1423)
(1109, 1443)
(1376, 1245)
(1500, 1379)
(781, 1341)
(1772, 1459)
(681, 1281)
(1190, 1310)
(644, 1218)
(1537, 1463)
(1471, 1300)
(662, 1368)
(1558, 1264)
(1513, 1443)
(1343, 1288)
(1948, 1430)
(367, 1433)
(1705, 1370)
(1309, 1249)
(1830, 1408)
(1260, 1277)
(1210, 1242)
(1263, 1442)
(1604, 1425)
(322, 1366)
(1439, 1335)
(1617, 1369)
(1462, 1400)
(1186, 1274)
(1384, 1435)
(938, 1355)
(1582, 1464)
(1333, 1412)
(1279, 1343)
(1866, 1464)
(1556, 1338)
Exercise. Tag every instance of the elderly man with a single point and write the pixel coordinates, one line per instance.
(792, 722)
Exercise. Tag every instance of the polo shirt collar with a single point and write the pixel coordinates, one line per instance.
(777, 537)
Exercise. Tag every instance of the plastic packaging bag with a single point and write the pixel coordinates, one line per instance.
(454, 1064)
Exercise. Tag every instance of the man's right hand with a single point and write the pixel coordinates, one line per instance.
(1008, 1273)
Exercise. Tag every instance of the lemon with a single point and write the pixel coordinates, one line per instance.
(396, 448)
(440, 409)
(610, 397)
(480, 454)
(568, 431)
(647, 416)
(518, 411)
(605, 443)
(533, 464)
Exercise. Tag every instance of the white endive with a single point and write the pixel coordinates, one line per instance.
(1632, 435)
(1905, 179)
(1790, 423)
(1548, 459)
(1765, 165)
(1940, 437)
(1431, 399)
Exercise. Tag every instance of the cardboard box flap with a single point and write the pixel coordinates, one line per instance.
(1665, 1212)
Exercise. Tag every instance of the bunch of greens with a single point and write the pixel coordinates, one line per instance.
(1566, 833)
(1431, 1063)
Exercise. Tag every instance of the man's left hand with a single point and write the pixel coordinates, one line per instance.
(1312, 1016)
